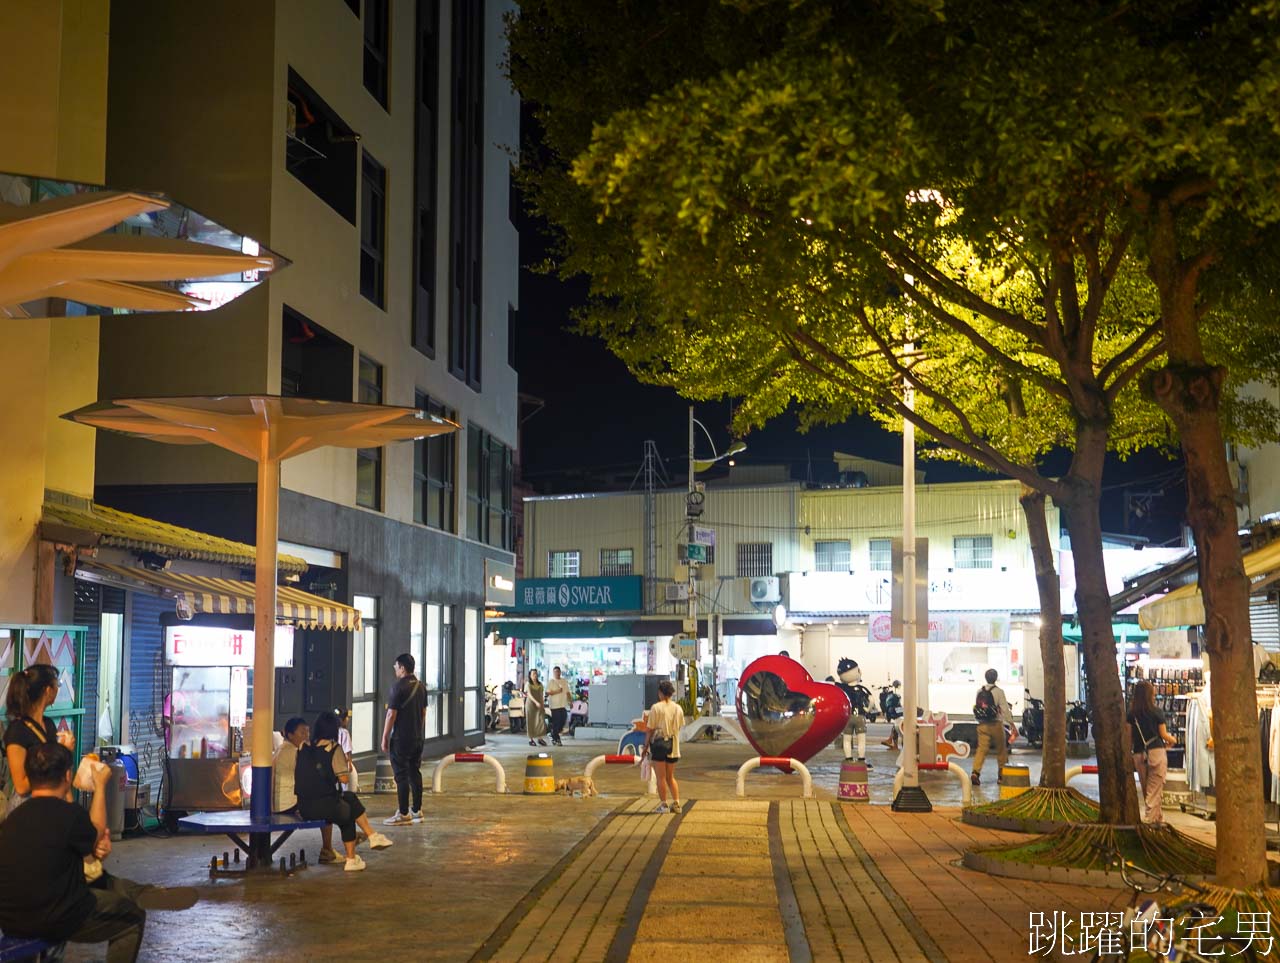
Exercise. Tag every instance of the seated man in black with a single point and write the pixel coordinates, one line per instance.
(42, 848)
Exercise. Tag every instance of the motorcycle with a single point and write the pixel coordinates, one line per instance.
(492, 709)
(1033, 720)
(1077, 722)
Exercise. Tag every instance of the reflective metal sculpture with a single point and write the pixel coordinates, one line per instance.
(784, 712)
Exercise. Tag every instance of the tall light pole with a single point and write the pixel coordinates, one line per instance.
(911, 798)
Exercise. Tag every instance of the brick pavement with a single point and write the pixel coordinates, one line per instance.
(973, 917)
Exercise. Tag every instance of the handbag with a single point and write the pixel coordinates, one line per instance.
(646, 769)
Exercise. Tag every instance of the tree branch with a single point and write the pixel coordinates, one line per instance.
(1122, 358)
(977, 448)
(964, 296)
(1128, 374)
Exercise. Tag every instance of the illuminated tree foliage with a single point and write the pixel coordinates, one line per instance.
(1055, 221)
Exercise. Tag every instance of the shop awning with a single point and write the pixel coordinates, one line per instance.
(67, 519)
(1124, 632)
(1185, 605)
(224, 596)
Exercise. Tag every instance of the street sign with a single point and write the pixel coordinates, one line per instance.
(684, 647)
(922, 588)
(694, 553)
(704, 536)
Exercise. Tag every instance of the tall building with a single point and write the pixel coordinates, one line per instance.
(369, 143)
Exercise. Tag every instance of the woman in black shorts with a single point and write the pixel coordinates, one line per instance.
(664, 721)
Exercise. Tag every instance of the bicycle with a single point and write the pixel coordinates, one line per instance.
(1167, 938)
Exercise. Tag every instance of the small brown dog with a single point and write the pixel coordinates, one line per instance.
(583, 784)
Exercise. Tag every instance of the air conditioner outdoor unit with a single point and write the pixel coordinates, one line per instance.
(766, 589)
(679, 592)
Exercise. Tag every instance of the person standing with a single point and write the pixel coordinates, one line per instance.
(402, 739)
(535, 713)
(991, 712)
(31, 692)
(1151, 740)
(664, 721)
(558, 702)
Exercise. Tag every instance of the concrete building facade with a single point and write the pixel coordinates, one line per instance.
(367, 142)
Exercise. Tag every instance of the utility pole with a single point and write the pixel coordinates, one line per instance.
(693, 509)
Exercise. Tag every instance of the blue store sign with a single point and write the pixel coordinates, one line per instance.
(614, 594)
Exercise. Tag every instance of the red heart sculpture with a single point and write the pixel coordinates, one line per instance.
(784, 712)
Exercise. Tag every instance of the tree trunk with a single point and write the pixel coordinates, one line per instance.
(1117, 798)
(1190, 391)
(1053, 764)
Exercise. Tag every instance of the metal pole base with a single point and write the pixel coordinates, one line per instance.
(912, 799)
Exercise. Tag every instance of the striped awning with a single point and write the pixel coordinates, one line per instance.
(225, 596)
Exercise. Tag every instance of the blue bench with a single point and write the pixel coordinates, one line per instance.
(27, 948)
(236, 824)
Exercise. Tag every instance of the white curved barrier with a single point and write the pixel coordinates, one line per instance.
(966, 793)
(437, 776)
(621, 759)
(755, 762)
(1081, 771)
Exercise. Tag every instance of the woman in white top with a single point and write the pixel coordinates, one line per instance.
(662, 744)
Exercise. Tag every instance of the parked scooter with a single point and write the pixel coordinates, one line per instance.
(1077, 722)
(1032, 720)
(492, 709)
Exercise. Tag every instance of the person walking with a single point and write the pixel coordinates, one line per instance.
(665, 719)
(535, 714)
(991, 712)
(1151, 740)
(403, 738)
(558, 701)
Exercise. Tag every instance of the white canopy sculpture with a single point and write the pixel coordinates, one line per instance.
(56, 248)
(265, 429)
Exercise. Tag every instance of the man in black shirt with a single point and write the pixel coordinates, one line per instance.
(402, 740)
(43, 844)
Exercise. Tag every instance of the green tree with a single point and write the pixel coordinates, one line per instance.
(773, 198)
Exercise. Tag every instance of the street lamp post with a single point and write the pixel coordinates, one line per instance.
(911, 798)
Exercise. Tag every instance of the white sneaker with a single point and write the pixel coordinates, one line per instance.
(379, 841)
(662, 808)
(398, 819)
(354, 865)
(416, 815)
(675, 806)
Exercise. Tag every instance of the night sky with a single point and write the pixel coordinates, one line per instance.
(590, 435)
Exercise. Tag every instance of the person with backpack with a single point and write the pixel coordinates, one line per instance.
(990, 711)
(403, 738)
(320, 784)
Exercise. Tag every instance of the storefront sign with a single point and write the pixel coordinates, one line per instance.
(499, 584)
(857, 593)
(962, 629)
(605, 594)
(210, 645)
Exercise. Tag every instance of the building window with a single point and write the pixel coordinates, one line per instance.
(466, 191)
(425, 165)
(375, 49)
(755, 559)
(489, 510)
(616, 561)
(320, 149)
(972, 551)
(369, 460)
(430, 643)
(433, 473)
(880, 554)
(831, 556)
(373, 230)
(313, 363)
(566, 563)
(364, 653)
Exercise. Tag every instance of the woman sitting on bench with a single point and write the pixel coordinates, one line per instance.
(320, 784)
